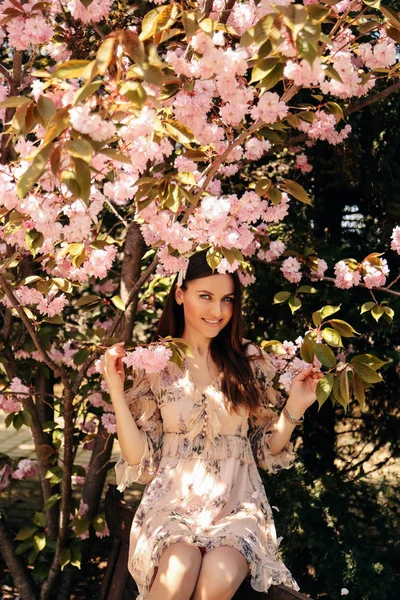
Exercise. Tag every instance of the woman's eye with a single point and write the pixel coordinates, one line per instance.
(204, 296)
(229, 299)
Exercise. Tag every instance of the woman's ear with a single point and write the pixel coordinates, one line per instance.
(178, 294)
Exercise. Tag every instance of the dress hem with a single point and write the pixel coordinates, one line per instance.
(266, 576)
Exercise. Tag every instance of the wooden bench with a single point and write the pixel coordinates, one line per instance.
(118, 583)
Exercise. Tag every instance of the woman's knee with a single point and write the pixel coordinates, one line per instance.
(181, 558)
(223, 570)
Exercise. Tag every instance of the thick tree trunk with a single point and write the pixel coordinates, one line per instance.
(133, 252)
(14, 564)
(97, 472)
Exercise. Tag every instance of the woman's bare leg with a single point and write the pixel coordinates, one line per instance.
(177, 573)
(222, 571)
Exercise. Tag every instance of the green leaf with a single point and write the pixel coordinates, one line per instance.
(262, 68)
(39, 541)
(317, 319)
(391, 15)
(134, 91)
(156, 20)
(367, 306)
(295, 17)
(332, 73)
(32, 174)
(54, 474)
(294, 303)
(18, 421)
(365, 372)
(369, 359)
(377, 312)
(14, 102)
(81, 356)
(21, 548)
(69, 179)
(83, 178)
(58, 123)
(345, 329)
(25, 533)
(325, 355)
(336, 110)
(71, 69)
(46, 108)
(358, 389)
(86, 91)
(133, 46)
(51, 501)
(40, 519)
(281, 297)
(275, 196)
(213, 258)
(259, 33)
(324, 388)
(328, 310)
(34, 240)
(344, 386)
(118, 302)
(307, 350)
(307, 289)
(274, 346)
(80, 148)
(389, 311)
(178, 131)
(273, 77)
(117, 156)
(65, 558)
(105, 54)
(332, 337)
(82, 524)
(295, 189)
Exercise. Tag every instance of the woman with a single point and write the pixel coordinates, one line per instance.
(196, 436)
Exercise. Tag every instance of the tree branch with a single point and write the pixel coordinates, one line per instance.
(49, 362)
(20, 575)
(225, 13)
(276, 263)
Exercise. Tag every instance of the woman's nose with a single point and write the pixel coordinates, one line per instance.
(216, 310)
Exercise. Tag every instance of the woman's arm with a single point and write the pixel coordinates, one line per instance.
(129, 437)
(302, 395)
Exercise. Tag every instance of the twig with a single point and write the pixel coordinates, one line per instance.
(49, 362)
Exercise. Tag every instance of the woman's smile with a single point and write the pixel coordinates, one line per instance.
(212, 323)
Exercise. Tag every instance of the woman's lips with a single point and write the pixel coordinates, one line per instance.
(211, 323)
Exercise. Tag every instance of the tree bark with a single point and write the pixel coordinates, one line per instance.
(134, 250)
(20, 575)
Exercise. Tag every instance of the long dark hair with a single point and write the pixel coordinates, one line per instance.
(227, 349)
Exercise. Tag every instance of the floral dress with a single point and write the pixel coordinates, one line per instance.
(200, 470)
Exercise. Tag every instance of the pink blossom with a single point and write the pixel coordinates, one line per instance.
(321, 268)
(9, 404)
(96, 400)
(291, 269)
(344, 278)
(152, 359)
(303, 74)
(104, 533)
(25, 468)
(109, 422)
(91, 123)
(276, 248)
(171, 264)
(375, 275)
(255, 148)
(302, 163)
(395, 237)
(246, 278)
(20, 390)
(269, 108)
(96, 11)
(324, 128)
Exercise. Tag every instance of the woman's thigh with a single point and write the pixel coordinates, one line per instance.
(222, 571)
(176, 573)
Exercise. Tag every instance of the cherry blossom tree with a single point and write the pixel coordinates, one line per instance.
(121, 132)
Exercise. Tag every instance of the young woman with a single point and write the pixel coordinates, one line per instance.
(195, 437)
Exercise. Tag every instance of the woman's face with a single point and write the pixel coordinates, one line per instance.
(207, 304)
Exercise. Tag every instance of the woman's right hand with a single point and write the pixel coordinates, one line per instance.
(113, 368)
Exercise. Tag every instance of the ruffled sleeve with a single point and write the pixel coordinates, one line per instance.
(262, 421)
(143, 404)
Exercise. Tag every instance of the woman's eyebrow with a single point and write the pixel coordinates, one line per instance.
(211, 294)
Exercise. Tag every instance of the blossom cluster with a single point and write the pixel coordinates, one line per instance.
(152, 359)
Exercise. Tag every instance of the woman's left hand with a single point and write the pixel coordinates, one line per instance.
(302, 391)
